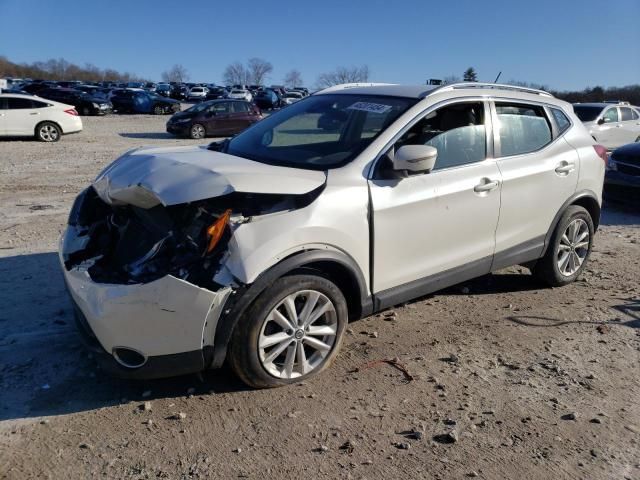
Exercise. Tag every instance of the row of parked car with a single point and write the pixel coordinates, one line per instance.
(137, 97)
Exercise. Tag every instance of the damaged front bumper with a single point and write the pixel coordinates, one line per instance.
(150, 330)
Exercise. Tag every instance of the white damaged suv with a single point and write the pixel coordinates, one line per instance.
(260, 249)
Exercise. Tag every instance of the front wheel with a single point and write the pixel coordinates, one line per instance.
(569, 249)
(292, 332)
(197, 131)
(158, 110)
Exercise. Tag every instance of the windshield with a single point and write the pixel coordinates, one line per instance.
(319, 132)
(587, 113)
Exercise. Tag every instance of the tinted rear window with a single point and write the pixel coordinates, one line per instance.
(587, 113)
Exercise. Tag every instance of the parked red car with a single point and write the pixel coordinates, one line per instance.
(214, 118)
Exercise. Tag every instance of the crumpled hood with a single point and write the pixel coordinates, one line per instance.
(147, 177)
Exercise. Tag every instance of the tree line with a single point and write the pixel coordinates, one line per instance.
(256, 71)
(61, 69)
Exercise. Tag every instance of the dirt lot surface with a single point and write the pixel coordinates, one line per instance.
(504, 378)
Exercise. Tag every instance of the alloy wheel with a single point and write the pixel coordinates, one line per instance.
(197, 131)
(48, 133)
(573, 247)
(298, 334)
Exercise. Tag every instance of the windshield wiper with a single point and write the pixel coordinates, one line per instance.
(219, 146)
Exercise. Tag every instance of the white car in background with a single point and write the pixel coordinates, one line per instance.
(197, 94)
(292, 97)
(31, 116)
(611, 125)
(238, 94)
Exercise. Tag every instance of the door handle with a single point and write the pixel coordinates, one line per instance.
(565, 168)
(486, 186)
(34, 113)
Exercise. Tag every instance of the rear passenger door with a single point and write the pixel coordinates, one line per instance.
(539, 173)
(241, 114)
(630, 124)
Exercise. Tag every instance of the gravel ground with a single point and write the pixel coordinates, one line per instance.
(504, 378)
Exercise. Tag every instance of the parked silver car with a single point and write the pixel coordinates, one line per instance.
(260, 249)
(609, 124)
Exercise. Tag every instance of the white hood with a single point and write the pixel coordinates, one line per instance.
(148, 177)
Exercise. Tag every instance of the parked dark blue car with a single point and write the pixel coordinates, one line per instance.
(135, 101)
(622, 179)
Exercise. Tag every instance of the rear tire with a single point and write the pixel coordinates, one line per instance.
(48, 132)
(269, 349)
(568, 250)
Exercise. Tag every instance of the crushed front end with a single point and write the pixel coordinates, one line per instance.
(141, 281)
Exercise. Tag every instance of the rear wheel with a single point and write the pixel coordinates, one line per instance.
(158, 110)
(569, 249)
(292, 332)
(48, 132)
(197, 131)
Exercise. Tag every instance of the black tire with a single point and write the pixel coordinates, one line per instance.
(244, 356)
(86, 111)
(48, 132)
(547, 268)
(197, 131)
(158, 110)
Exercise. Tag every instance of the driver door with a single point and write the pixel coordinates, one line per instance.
(432, 230)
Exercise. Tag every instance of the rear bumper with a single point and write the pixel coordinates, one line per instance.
(72, 124)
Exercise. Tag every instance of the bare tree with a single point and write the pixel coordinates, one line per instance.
(236, 74)
(177, 73)
(293, 79)
(343, 75)
(258, 69)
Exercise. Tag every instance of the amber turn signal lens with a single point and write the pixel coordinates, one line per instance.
(216, 230)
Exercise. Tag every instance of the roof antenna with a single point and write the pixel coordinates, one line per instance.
(496, 80)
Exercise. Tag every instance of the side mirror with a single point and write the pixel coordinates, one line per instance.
(601, 121)
(415, 158)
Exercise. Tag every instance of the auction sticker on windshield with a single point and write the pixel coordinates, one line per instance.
(370, 107)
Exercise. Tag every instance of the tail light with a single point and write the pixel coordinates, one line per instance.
(602, 153)
(72, 111)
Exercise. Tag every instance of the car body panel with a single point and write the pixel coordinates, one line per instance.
(174, 175)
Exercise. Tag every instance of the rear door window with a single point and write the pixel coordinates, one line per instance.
(240, 107)
(521, 128)
(625, 114)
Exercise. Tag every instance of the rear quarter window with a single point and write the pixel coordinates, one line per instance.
(562, 122)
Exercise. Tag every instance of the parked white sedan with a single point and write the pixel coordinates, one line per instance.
(609, 124)
(29, 116)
